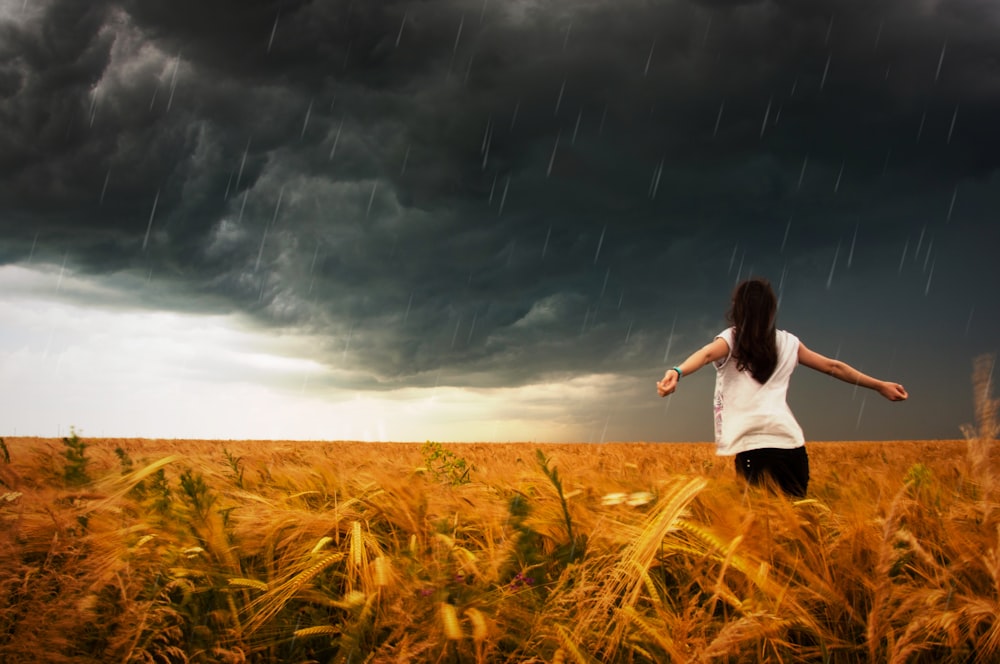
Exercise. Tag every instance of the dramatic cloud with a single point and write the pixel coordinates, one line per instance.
(493, 195)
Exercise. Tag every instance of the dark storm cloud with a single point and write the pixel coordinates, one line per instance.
(489, 193)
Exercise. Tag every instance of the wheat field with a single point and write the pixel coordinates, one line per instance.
(260, 551)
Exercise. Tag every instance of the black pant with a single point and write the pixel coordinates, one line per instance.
(789, 469)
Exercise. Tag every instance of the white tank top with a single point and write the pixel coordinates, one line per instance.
(750, 415)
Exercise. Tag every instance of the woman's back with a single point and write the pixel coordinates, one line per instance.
(752, 415)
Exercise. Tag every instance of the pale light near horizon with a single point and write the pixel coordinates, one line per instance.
(77, 352)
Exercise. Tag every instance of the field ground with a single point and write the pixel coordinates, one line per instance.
(132, 550)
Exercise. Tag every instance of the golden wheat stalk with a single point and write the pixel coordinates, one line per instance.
(271, 603)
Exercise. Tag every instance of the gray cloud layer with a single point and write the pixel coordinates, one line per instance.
(488, 193)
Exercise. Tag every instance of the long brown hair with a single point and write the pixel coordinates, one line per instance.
(752, 315)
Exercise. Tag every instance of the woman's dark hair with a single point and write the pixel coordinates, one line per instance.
(752, 315)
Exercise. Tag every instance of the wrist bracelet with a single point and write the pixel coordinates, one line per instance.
(680, 374)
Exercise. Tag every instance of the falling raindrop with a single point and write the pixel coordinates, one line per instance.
(850, 254)
(826, 70)
(562, 90)
(829, 28)
(305, 122)
(767, 112)
(93, 108)
(173, 82)
(274, 29)
(888, 68)
(781, 285)
(486, 135)
(802, 173)
(927, 289)
(149, 226)
(836, 186)
(312, 265)
(552, 158)
(732, 258)
(777, 116)
(670, 340)
(347, 344)
(795, 85)
(569, 29)
(628, 332)
(600, 243)
(654, 185)
(920, 129)
(492, 189)
(968, 322)
(902, 259)
(458, 36)
(336, 140)
(545, 246)
(649, 59)
(927, 256)
(34, 242)
(403, 22)
(718, 119)
(621, 296)
(260, 253)
(243, 205)
(951, 129)
(487, 140)
(833, 265)
(104, 188)
(576, 128)
(468, 68)
(739, 271)
(861, 410)
(281, 194)
(604, 286)
(406, 159)
(513, 117)
(784, 240)
(482, 14)
(920, 242)
(937, 73)
(454, 334)
(472, 328)
(243, 162)
(503, 196)
(406, 314)
(62, 270)
(951, 206)
(371, 199)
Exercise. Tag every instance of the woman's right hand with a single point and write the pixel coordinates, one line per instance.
(892, 391)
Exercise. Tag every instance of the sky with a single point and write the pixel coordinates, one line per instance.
(475, 220)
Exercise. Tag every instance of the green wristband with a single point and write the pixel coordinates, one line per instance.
(680, 374)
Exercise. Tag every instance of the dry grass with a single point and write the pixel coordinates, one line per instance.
(211, 551)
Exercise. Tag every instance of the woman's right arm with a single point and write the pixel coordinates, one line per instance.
(848, 374)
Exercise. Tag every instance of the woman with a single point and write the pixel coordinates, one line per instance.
(754, 362)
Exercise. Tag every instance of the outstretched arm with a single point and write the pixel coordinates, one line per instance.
(848, 374)
(716, 350)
